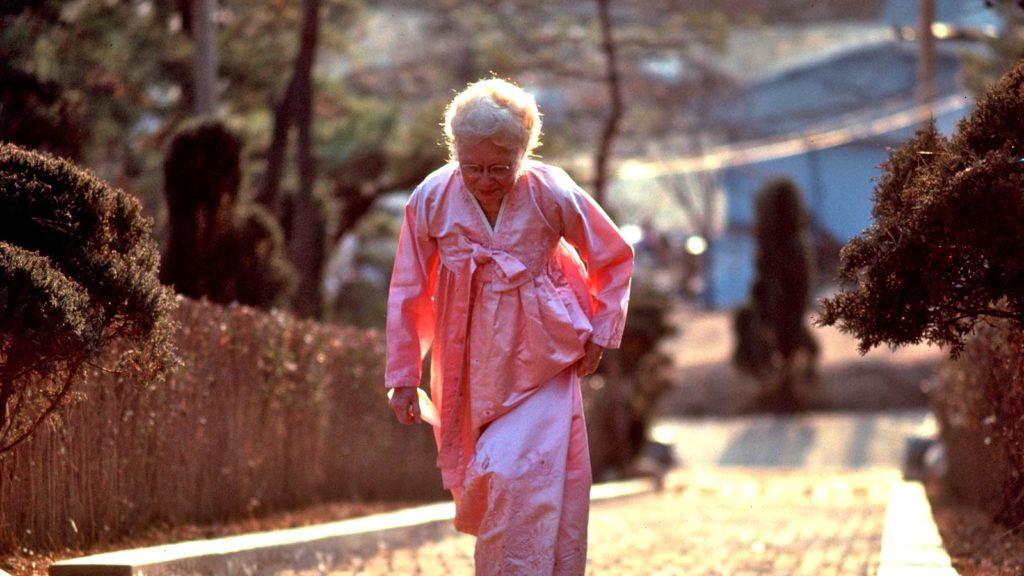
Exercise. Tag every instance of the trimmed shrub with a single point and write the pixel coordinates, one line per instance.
(221, 246)
(773, 341)
(943, 252)
(77, 272)
(979, 402)
(35, 113)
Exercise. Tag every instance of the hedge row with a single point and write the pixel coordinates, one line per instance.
(979, 402)
(265, 413)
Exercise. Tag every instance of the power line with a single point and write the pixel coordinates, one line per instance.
(752, 152)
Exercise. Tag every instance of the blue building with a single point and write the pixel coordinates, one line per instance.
(829, 124)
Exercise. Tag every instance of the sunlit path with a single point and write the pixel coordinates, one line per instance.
(757, 495)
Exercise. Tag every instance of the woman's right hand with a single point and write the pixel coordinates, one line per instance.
(405, 404)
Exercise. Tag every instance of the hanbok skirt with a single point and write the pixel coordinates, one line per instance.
(526, 494)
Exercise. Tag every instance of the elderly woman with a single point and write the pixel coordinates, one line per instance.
(518, 281)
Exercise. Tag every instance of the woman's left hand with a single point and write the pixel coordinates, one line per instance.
(591, 358)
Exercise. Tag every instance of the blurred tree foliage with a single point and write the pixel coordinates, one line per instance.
(220, 245)
(943, 253)
(1004, 50)
(123, 69)
(77, 271)
(119, 73)
(36, 114)
(773, 341)
(596, 49)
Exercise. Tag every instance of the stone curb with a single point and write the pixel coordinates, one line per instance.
(911, 544)
(296, 549)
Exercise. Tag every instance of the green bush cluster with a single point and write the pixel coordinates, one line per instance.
(222, 246)
(36, 114)
(266, 413)
(773, 341)
(77, 272)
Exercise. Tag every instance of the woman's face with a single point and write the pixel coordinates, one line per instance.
(488, 170)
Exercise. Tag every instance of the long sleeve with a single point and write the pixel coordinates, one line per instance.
(608, 258)
(410, 310)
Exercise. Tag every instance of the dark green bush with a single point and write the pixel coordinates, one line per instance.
(942, 263)
(36, 114)
(943, 252)
(621, 399)
(221, 246)
(77, 271)
(773, 341)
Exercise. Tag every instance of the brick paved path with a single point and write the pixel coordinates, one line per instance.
(744, 523)
(799, 496)
(713, 522)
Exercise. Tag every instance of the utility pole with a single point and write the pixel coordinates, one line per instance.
(926, 56)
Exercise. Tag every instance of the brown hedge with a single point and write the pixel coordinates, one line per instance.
(265, 413)
(979, 401)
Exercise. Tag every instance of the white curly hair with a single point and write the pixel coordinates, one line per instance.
(493, 109)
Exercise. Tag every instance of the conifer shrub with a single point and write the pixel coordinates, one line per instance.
(978, 399)
(78, 270)
(773, 342)
(221, 245)
(943, 251)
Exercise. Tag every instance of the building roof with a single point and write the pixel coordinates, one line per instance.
(881, 76)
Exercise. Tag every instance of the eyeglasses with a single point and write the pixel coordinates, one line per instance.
(494, 170)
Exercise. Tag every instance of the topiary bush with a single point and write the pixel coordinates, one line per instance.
(221, 246)
(773, 341)
(36, 114)
(78, 270)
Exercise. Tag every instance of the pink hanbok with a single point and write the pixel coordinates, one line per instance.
(506, 311)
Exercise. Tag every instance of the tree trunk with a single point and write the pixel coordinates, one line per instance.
(926, 58)
(269, 190)
(306, 239)
(614, 118)
(204, 60)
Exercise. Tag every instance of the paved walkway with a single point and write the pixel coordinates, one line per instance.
(761, 495)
